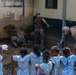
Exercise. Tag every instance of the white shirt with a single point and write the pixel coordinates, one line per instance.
(68, 64)
(56, 61)
(23, 64)
(1, 65)
(46, 67)
(34, 60)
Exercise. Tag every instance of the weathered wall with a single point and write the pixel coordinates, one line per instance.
(71, 10)
(12, 13)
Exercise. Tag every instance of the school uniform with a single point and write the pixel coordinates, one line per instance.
(56, 61)
(34, 59)
(23, 64)
(1, 65)
(68, 64)
(46, 67)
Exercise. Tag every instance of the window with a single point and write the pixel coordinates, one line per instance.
(51, 4)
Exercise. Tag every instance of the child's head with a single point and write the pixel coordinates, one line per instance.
(66, 51)
(46, 56)
(23, 52)
(36, 50)
(54, 50)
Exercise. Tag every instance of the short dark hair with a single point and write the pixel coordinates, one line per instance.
(55, 48)
(23, 52)
(66, 51)
(36, 49)
(46, 56)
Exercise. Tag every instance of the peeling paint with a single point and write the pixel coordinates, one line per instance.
(14, 15)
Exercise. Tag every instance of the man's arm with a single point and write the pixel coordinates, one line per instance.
(45, 22)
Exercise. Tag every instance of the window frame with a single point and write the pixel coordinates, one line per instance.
(52, 7)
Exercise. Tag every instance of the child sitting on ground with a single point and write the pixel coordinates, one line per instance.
(68, 61)
(23, 62)
(55, 60)
(45, 67)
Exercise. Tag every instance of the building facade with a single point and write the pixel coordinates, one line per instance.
(55, 11)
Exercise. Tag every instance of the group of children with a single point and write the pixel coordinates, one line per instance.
(44, 63)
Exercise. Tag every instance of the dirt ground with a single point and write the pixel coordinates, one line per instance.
(11, 51)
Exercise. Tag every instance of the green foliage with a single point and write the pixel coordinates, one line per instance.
(8, 28)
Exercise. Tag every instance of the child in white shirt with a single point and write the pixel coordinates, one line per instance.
(2, 47)
(23, 62)
(67, 61)
(35, 57)
(55, 60)
(45, 67)
(1, 58)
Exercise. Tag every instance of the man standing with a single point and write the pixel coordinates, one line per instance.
(39, 29)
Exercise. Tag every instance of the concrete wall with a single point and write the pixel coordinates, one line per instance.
(39, 6)
(71, 10)
(12, 14)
